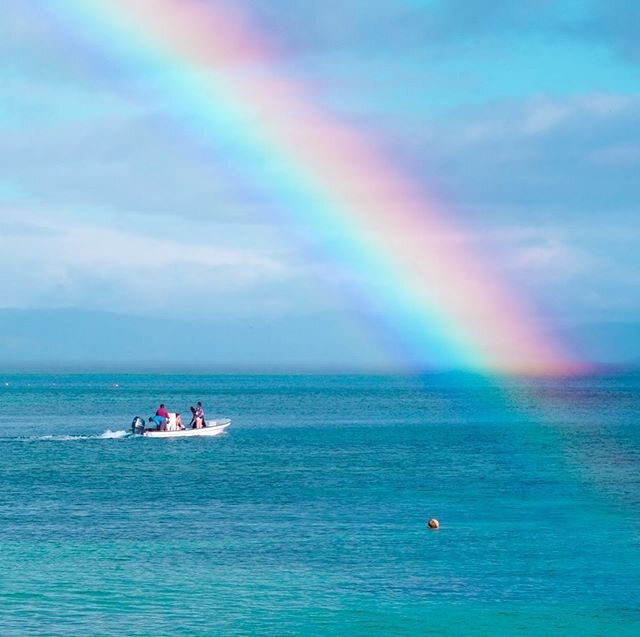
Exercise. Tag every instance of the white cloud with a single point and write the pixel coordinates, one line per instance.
(57, 260)
(550, 256)
(538, 116)
(616, 155)
(543, 115)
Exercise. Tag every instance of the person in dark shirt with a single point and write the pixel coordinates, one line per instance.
(198, 415)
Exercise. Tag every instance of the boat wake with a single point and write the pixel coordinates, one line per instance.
(120, 433)
(105, 435)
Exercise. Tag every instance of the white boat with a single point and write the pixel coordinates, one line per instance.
(213, 428)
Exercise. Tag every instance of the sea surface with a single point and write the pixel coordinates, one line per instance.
(309, 516)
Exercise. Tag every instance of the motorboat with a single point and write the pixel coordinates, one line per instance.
(213, 428)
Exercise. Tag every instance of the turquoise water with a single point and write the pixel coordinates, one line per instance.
(309, 517)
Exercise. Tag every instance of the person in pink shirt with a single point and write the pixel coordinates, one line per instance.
(162, 411)
(161, 417)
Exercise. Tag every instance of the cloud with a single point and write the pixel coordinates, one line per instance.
(444, 27)
(617, 155)
(129, 162)
(477, 101)
(376, 24)
(549, 257)
(561, 174)
(538, 116)
(613, 24)
(60, 261)
(538, 158)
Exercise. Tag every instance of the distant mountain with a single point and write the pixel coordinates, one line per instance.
(74, 337)
(610, 342)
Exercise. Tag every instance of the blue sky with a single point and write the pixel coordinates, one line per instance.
(523, 118)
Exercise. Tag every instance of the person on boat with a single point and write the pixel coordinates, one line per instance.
(179, 424)
(161, 418)
(198, 417)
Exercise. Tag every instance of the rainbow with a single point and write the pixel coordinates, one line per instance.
(218, 75)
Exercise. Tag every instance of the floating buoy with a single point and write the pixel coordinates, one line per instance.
(433, 523)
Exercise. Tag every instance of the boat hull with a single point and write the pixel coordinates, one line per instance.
(213, 428)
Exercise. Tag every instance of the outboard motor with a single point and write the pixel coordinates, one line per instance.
(137, 426)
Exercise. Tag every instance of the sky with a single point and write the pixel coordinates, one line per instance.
(521, 119)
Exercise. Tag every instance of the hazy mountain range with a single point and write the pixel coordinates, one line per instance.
(73, 337)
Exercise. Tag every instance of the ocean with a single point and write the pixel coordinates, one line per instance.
(309, 516)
